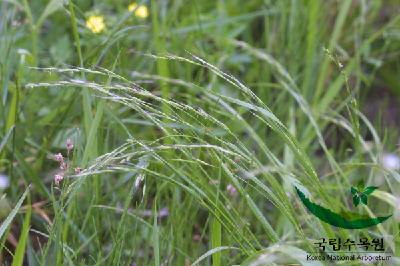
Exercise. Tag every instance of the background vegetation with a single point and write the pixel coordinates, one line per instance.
(191, 124)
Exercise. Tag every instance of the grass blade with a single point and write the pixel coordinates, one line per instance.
(20, 251)
(12, 214)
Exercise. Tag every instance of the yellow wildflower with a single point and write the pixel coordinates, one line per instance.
(140, 11)
(95, 23)
(132, 7)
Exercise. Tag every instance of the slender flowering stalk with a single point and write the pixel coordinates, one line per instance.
(65, 165)
(70, 145)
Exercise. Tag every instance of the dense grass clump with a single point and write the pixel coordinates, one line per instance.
(175, 133)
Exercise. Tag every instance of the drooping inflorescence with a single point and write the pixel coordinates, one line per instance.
(65, 165)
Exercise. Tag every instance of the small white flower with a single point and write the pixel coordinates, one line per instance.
(4, 181)
(391, 161)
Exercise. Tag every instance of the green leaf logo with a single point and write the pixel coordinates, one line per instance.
(361, 196)
(343, 221)
(368, 190)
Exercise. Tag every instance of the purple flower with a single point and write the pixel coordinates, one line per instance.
(58, 178)
(70, 145)
(59, 157)
(232, 191)
(77, 170)
(163, 212)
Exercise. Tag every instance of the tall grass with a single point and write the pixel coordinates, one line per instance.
(165, 114)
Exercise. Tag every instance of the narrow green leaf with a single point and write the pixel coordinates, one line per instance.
(6, 138)
(51, 7)
(13, 110)
(211, 252)
(344, 7)
(216, 241)
(12, 214)
(86, 100)
(159, 27)
(20, 251)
